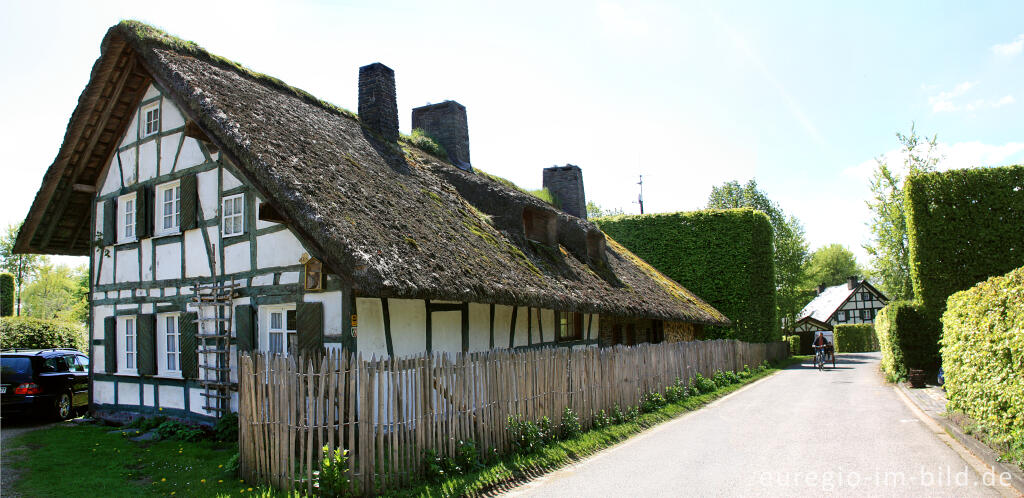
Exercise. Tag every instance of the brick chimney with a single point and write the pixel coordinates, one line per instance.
(446, 122)
(852, 283)
(378, 106)
(821, 288)
(566, 184)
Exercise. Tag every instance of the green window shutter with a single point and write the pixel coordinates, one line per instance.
(188, 359)
(310, 327)
(110, 344)
(244, 327)
(146, 341)
(144, 212)
(109, 222)
(189, 202)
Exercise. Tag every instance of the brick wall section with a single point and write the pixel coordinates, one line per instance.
(566, 184)
(378, 105)
(446, 122)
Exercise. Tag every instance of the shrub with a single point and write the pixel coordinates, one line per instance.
(332, 480)
(428, 144)
(226, 428)
(906, 337)
(855, 338)
(570, 427)
(146, 424)
(617, 416)
(6, 294)
(525, 435)
(720, 379)
(37, 333)
(602, 419)
(676, 392)
(723, 256)
(794, 344)
(171, 429)
(701, 384)
(651, 401)
(983, 355)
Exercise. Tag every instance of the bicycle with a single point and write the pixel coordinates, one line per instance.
(819, 357)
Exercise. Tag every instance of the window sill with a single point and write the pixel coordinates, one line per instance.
(126, 242)
(227, 236)
(176, 231)
(168, 376)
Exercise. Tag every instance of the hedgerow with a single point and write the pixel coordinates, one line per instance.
(725, 256)
(983, 355)
(794, 344)
(37, 333)
(6, 294)
(906, 337)
(855, 338)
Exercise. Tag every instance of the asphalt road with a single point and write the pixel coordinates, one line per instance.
(801, 432)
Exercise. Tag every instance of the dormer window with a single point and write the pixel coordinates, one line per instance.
(595, 246)
(540, 226)
(151, 119)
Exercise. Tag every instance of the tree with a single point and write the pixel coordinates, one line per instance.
(889, 251)
(595, 211)
(831, 265)
(56, 294)
(790, 245)
(23, 266)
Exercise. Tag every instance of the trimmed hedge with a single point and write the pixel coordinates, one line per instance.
(963, 226)
(855, 338)
(6, 294)
(36, 333)
(983, 355)
(906, 338)
(725, 256)
(794, 344)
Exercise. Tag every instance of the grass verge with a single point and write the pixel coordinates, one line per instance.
(515, 469)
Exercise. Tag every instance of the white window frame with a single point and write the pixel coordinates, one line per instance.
(841, 316)
(163, 365)
(227, 219)
(266, 326)
(124, 354)
(122, 218)
(161, 204)
(144, 123)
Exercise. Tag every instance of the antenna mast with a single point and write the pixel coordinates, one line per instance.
(640, 199)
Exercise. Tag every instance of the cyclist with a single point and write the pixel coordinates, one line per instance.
(822, 345)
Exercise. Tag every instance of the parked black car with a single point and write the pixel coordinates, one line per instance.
(48, 382)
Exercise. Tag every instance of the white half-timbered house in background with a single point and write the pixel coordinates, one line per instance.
(224, 211)
(853, 302)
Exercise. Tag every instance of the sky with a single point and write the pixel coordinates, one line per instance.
(801, 96)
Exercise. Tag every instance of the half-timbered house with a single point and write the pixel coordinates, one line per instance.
(852, 302)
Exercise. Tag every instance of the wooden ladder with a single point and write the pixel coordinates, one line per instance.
(213, 337)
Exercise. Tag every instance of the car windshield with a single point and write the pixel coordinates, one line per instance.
(15, 369)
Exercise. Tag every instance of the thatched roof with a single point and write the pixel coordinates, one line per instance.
(388, 218)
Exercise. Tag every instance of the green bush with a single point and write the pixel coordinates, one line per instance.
(6, 294)
(37, 333)
(855, 338)
(226, 428)
(983, 355)
(422, 141)
(794, 344)
(332, 479)
(725, 256)
(963, 226)
(570, 426)
(906, 337)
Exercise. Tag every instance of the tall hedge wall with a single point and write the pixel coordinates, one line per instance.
(906, 337)
(964, 226)
(725, 256)
(983, 355)
(6, 294)
(37, 333)
(855, 338)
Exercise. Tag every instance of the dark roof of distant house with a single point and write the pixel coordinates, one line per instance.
(825, 305)
(389, 219)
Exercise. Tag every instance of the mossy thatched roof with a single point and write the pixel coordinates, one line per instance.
(389, 219)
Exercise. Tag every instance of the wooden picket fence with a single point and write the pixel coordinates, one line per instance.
(388, 412)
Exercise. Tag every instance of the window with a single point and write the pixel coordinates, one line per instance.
(168, 347)
(841, 316)
(232, 215)
(81, 363)
(865, 296)
(126, 213)
(864, 314)
(151, 119)
(570, 326)
(168, 215)
(280, 329)
(128, 352)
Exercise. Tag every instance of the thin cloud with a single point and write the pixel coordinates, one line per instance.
(1007, 49)
(954, 156)
(948, 101)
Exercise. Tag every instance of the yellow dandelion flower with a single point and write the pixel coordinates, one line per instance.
(250, 489)
(220, 466)
(163, 479)
(202, 481)
(220, 481)
(161, 408)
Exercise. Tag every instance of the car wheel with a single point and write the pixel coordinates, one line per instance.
(63, 407)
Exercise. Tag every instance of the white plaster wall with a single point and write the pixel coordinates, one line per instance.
(111, 180)
(132, 133)
(106, 269)
(128, 167)
(168, 261)
(535, 333)
(446, 328)
(521, 327)
(127, 393)
(190, 155)
(147, 395)
(170, 115)
(147, 160)
(172, 397)
(151, 92)
(99, 313)
(197, 401)
(370, 331)
(230, 181)
(594, 327)
(208, 193)
(548, 317)
(408, 326)
(236, 257)
(332, 310)
(128, 265)
(267, 279)
(98, 228)
(480, 327)
(502, 321)
(197, 263)
(146, 246)
(168, 149)
(102, 392)
(278, 249)
(289, 277)
(98, 363)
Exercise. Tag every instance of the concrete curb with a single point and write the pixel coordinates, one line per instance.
(980, 450)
